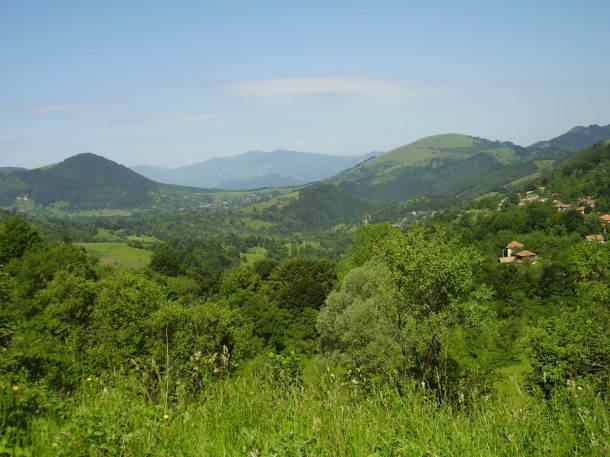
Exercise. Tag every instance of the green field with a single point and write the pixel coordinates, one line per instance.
(254, 254)
(279, 202)
(118, 254)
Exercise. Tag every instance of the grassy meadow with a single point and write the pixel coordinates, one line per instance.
(118, 254)
(251, 415)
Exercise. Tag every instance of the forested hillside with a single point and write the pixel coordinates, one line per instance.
(577, 139)
(460, 166)
(234, 342)
(85, 181)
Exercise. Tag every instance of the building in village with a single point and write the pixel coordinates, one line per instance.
(514, 253)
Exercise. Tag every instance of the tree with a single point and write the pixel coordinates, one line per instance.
(353, 324)
(118, 330)
(574, 346)
(166, 260)
(303, 282)
(16, 236)
(591, 265)
(428, 289)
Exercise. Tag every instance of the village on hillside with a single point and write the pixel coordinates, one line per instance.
(514, 251)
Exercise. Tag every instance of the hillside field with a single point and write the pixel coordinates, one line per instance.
(118, 254)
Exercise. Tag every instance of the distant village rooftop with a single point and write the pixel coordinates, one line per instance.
(510, 257)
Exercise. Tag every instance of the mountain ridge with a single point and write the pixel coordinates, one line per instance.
(254, 169)
(456, 165)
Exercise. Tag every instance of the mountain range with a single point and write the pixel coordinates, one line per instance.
(453, 165)
(254, 169)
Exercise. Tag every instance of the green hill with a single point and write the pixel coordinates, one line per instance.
(432, 165)
(87, 185)
(586, 173)
(577, 138)
(84, 181)
(459, 166)
(322, 206)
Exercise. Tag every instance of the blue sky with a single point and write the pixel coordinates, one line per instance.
(174, 83)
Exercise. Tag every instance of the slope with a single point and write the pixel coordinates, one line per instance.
(322, 206)
(84, 181)
(459, 165)
(428, 166)
(577, 138)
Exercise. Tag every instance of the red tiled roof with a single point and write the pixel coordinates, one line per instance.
(526, 253)
(514, 244)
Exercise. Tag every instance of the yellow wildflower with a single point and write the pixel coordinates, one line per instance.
(15, 388)
(166, 416)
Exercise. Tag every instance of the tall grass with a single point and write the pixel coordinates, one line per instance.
(250, 415)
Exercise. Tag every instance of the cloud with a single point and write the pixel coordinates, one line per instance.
(376, 90)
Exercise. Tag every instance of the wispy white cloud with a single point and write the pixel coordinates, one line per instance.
(379, 90)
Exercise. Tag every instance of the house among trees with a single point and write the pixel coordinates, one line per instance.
(598, 238)
(562, 206)
(587, 201)
(511, 256)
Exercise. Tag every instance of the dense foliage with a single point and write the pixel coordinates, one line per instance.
(242, 340)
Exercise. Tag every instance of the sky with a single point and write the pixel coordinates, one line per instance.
(171, 83)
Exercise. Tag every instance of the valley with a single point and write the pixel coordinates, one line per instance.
(139, 318)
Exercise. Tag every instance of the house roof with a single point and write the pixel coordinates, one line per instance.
(594, 238)
(514, 244)
(526, 253)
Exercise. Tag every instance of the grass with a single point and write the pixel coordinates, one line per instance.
(314, 245)
(512, 378)
(118, 254)
(256, 224)
(144, 238)
(254, 254)
(279, 202)
(251, 416)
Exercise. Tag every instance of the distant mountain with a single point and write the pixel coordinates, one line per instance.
(84, 181)
(12, 169)
(255, 169)
(577, 138)
(449, 165)
(458, 165)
